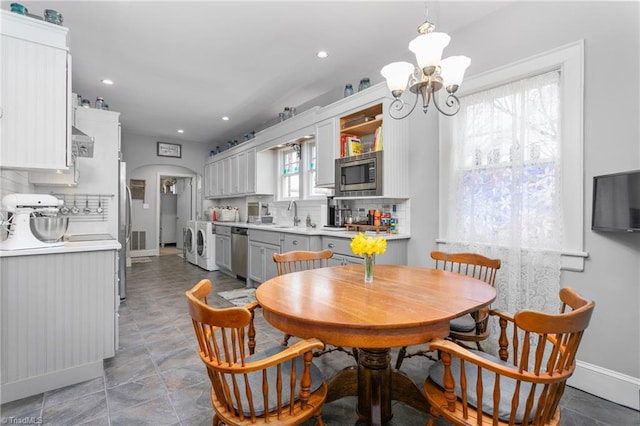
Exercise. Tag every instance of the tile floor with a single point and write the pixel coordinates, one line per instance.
(156, 378)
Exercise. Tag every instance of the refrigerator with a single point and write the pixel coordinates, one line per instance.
(124, 228)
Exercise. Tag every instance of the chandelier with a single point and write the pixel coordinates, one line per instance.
(431, 74)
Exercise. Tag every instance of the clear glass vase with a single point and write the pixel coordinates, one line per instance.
(368, 268)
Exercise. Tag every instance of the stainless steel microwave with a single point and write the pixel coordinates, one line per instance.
(360, 175)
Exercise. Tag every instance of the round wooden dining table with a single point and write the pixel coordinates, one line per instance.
(404, 305)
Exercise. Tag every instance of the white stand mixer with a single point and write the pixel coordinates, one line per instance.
(22, 207)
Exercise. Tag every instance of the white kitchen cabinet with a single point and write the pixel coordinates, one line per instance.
(262, 246)
(223, 247)
(293, 242)
(208, 180)
(251, 171)
(326, 142)
(213, 179)
(218, 177)
(59, 319)
(396, 253)
(35, 99)
(227, 184)
(245, 173)
(59, 177)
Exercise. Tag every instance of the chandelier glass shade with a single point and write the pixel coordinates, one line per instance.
(430, 75)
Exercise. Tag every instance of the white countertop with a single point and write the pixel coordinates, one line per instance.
(303, 230)
(68, 247)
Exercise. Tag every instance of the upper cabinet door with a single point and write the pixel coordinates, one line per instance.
(35, 94)
(326, 136)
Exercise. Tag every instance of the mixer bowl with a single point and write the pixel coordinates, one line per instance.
(49, 229)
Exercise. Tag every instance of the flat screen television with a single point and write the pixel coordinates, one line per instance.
(616, 202)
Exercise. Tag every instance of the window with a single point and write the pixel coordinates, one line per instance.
(511, 175)
(290, 174)
(506, 168)
(298, 172)
(546, 148)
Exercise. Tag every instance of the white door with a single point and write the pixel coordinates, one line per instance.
(183, 187)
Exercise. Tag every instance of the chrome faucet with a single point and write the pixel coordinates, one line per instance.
(296, 219)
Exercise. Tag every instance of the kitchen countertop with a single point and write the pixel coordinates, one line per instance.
(68, 247)
(303, 230)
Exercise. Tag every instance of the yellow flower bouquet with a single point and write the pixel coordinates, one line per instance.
(361, 245)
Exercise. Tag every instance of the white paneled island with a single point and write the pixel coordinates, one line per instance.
(58, 316)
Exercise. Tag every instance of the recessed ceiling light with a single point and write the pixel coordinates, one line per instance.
(180, 131)
(107, 81)
(322, 54)
(225, 118)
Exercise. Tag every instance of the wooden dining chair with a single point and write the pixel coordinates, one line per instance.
(469, 327)
(278, 386)
(524, 384)
(302, 260)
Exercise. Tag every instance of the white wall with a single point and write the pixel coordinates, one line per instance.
(139, 152)
(611, 144)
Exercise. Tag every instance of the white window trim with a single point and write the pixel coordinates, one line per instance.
(281, 196)
(570, 60)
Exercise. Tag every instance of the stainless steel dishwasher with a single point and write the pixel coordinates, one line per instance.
(239, 243)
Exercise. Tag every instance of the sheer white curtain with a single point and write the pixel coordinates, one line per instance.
(505, 195)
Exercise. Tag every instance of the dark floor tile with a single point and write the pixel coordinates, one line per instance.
(102, 421)
(155, 412)
(135, 392)
(128, 364)
(192, 400)
(180, 357)
(183, 377)
(72, 392)
(25, 407)
(601, 410)
(77, 411)
(200, 419)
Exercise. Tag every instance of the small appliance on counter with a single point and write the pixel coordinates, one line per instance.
(34, 222)
(258, 212)
(336, 215)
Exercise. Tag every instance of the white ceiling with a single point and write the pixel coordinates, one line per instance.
(184, 65)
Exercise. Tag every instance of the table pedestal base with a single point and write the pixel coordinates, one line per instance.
(378, 385)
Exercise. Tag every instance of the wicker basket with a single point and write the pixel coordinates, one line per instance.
(225, 215)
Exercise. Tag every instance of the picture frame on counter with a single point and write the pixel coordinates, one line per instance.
(166, 149)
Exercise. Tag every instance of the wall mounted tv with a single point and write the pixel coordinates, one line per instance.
(616, 202)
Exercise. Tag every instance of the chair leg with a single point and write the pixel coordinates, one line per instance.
(285, 340)
(401, 355)
(319, 420)
(479, 347)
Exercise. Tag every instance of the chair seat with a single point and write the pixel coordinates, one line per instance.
(507, 386)
(255, 382)
(464, 323)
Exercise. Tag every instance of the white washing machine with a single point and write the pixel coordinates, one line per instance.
(190, 242)
(206, 245)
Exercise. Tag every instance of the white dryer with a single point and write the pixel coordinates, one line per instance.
(190, 242)
(206, 245)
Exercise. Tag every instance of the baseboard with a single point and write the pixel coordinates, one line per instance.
(143, 253)
(608, 384)
(58, 379)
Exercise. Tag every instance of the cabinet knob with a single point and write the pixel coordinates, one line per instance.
(331, 245)
(295, 242)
